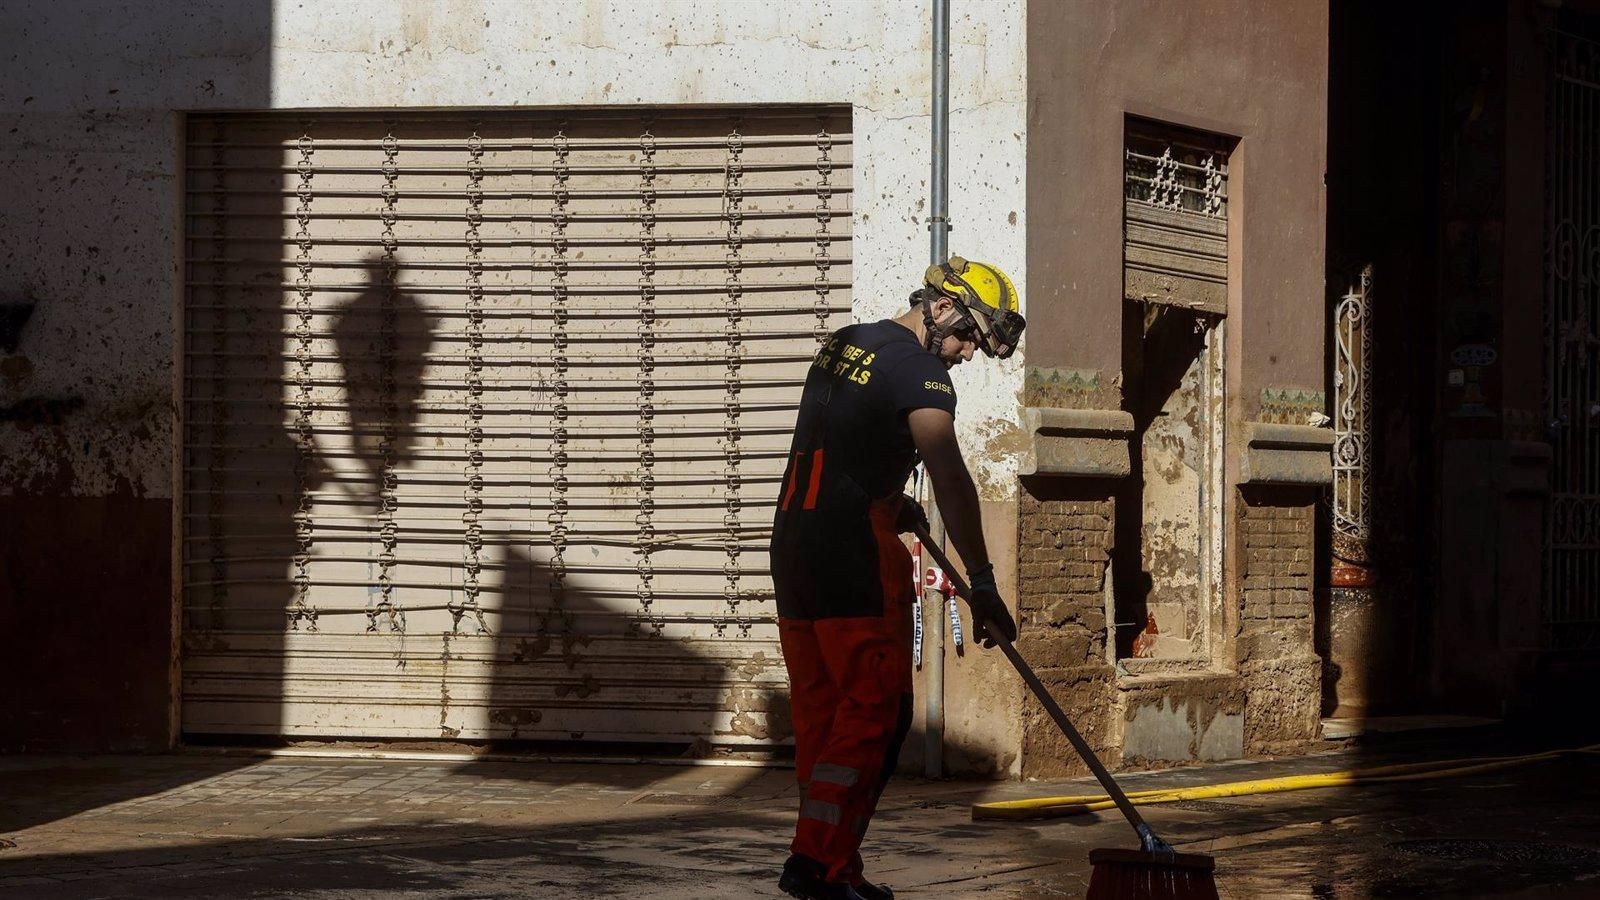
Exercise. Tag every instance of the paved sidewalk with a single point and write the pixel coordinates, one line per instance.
(196, 825)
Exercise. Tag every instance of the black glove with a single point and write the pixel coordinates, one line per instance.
(989, 614)
(911, 516)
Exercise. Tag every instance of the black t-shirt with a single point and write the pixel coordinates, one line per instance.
(852, 445)
(862, 385)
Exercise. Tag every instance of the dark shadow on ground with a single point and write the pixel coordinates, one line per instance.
(43, 789)
(1531, 829)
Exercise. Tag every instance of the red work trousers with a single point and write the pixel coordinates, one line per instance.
(850, 694)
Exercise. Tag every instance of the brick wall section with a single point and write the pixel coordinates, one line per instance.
(1277, 546)
(1063, 545)
(1065, 533)
(1276, 556)
(1062, 551)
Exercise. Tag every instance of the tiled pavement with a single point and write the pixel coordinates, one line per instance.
(202, 826)
(198, 825)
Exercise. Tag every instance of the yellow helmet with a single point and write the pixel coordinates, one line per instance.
(987, 300)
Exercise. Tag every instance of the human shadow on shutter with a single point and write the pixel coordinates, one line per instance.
(527, 650)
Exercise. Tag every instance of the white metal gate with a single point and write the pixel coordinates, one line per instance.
(484, 414)
(1572, 344)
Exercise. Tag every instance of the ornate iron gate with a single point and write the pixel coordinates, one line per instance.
(1572, 347)
(1352, 424)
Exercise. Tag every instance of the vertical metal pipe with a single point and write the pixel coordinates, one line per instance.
(939, 203)
(939, 251)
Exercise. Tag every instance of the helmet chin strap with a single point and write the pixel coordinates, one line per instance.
(933, 338)
(936, 332)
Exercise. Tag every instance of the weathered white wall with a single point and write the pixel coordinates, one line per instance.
(89, 94)
(89, 157)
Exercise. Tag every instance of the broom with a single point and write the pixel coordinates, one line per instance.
(1154, 871)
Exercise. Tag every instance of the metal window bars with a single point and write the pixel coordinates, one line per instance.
(1167, 172)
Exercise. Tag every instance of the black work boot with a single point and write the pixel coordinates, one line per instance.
(869, 891)
(805, 878)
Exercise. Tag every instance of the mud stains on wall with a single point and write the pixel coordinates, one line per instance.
(1064, 537)
(1163, 587)
(1282, 675)
(83, 651)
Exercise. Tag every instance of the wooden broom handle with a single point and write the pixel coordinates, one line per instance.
(1147, 837)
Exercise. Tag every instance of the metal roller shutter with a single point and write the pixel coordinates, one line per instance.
(484, 415)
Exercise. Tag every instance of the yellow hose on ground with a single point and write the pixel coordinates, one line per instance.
(1057, 807)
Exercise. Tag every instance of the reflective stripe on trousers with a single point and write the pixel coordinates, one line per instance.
(850, 694)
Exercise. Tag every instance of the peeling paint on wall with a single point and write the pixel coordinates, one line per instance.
(1164, 578)
(1173, 456)
(759, 714)
(95, 150)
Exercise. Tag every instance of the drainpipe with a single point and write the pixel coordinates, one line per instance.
(939, 219)
(939, 251)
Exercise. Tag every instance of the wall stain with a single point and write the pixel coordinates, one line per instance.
(530, 650)
(515, 718)
(33, 412)
(15, 370)
(586, 687)
(13, 317)
(444, 691)
(758, 714)
(758, 664)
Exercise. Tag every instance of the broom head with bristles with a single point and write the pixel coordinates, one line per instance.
(1143, 875)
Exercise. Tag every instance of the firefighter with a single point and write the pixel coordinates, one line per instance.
(878, 395)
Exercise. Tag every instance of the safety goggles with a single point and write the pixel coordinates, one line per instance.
(999, 331)
(966, 330)
(996, 331)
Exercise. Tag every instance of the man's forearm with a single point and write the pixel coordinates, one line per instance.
(957, 498)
